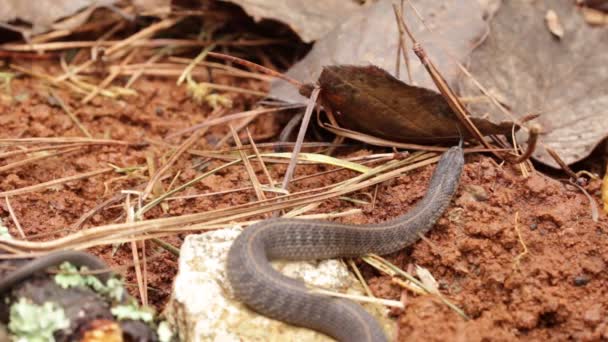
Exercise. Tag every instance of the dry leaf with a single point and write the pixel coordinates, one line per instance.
(563, 80)
(553, 24)
(41, 14)
(310, 20)
(371, 36)
(371, 101)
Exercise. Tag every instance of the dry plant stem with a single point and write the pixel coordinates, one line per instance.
(301, 134)
(388, 143)
(36, 149)
(227, 118)
(595, 212)
(106, 82)
(359, 276)
(94, 236)
(233, 89)
(182, 148)
(517, 259)
(145, 33)
(147, 43)
(259, 157)
(79, 140)
(35, 159)
(242, 211)
(54, 182)
(402, 42)
(534, 132)
(194, 63)
(358, 298)
(249, 64)
(255, 183)
(14, 218)
(71, 115)
(561, 163)
(457, 107)
(138, 274)
(374, 260)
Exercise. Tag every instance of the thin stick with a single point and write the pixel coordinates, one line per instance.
(298, 147)
(35, 159)
(260, 159)
(534, 132)
(359, 298)
(14, 218)
(518, 258)
(256, 67)
(71, 115)
(561, 163)
(181, 149)
(252, 177)
(54, 182)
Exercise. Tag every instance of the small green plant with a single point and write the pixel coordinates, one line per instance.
(36, 323)
(134, 312)
(71, 276)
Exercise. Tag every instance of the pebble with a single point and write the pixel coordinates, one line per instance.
(581, 280)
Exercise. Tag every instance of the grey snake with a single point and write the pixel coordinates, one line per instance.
(266, 291)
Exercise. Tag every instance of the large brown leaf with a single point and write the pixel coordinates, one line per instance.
(532, 71)
(371, 101)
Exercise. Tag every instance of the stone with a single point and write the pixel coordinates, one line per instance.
(202, 307)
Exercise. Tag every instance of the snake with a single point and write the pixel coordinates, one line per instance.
(40, 264)
(260, 287)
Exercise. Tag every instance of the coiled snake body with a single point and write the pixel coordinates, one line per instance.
(268, 292)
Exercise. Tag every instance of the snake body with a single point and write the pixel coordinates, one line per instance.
(54, 259)
(272, 294)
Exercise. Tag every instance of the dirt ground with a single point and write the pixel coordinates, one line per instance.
(521, 256)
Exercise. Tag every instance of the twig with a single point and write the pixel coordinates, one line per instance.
(70, 114)
(257, 67)
(561, 163)
(518, 258)
(534, 132)
(54, 182)
(595, 212)
(298, 147)
(35, 159)
(181, 149)
(14, 218)
(252, 177)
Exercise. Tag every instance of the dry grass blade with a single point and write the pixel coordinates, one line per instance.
(255, 183)
(14, 218)
(231, 117)
(54, 182)
(71, 115)
(148, 43)
(99, 235)
(312, 101)
(383, 265)
(36, 158)
(88, 141)
(36, 149)
(357, 298)
(181, 149)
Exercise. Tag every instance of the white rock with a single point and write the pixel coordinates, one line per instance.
(202, 307)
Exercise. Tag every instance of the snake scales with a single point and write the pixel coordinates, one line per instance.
(270, 293)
